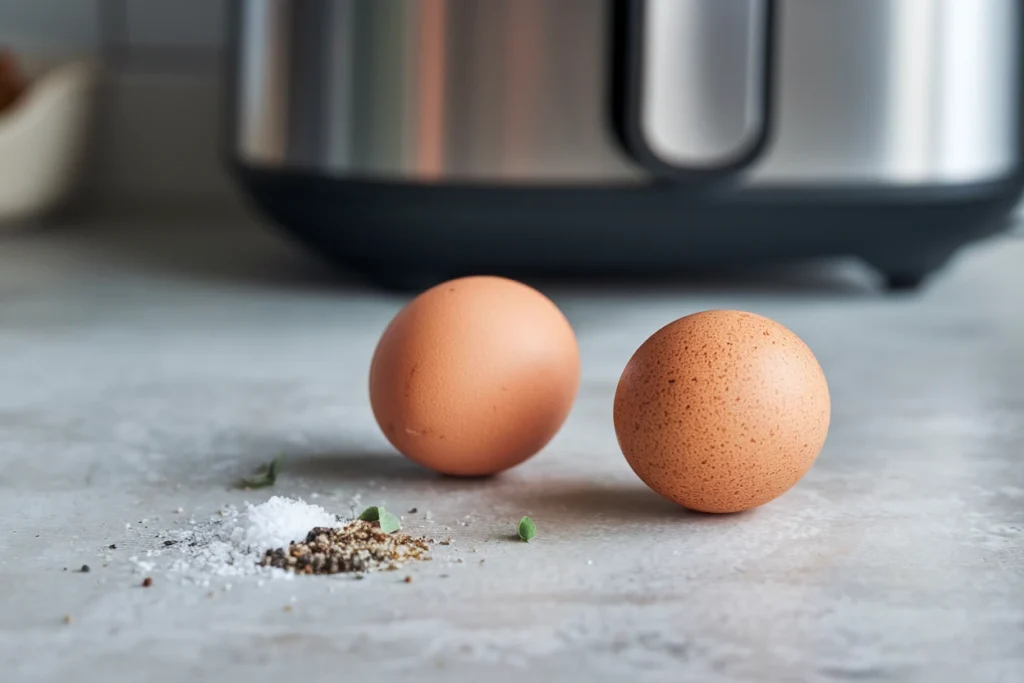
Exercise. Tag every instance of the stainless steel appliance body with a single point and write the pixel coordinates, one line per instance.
(687, 115)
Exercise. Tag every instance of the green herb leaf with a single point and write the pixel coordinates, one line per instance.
(263, 478)
(371, 514)
(388, 522)
(527, 529)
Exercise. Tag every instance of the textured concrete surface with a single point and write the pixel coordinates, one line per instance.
(140, 374)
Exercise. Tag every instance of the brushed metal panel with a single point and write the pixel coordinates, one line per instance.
(896, 92)
(869, 92)
(431, 89)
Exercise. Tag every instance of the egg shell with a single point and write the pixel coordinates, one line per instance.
(722, 411)
(474, 376)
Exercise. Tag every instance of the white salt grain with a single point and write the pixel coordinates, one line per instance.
(279, 521)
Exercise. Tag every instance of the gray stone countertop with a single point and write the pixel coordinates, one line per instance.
(144, 367)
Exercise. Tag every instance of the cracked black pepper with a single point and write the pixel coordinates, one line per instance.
(358, 547)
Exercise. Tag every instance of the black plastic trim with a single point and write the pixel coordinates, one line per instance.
(422, 234)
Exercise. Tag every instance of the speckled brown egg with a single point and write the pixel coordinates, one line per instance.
(722, 411)
(474, 376)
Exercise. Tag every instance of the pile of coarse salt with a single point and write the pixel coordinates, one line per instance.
(232, 543)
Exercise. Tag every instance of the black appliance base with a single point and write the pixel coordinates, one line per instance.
(410, 236)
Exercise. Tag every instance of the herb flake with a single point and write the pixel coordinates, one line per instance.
(527, 529)
(371, 514)
(264, 477)
(388, 522)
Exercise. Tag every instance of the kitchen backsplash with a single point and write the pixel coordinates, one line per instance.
(157, 133)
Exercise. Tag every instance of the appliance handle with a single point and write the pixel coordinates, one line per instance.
(692, 84)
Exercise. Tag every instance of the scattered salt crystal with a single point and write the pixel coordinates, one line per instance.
(232, 542)
(179, 510)
(314, 496)
(127, 526)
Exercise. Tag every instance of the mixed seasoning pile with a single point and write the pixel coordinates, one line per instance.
(359, 546)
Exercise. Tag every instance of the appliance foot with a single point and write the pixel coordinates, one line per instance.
(910, 273)
(905, 280)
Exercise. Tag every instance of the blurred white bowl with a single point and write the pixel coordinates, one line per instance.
(42, 137)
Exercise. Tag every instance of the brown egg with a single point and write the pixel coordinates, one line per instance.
(474, 376)
(722, 411)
